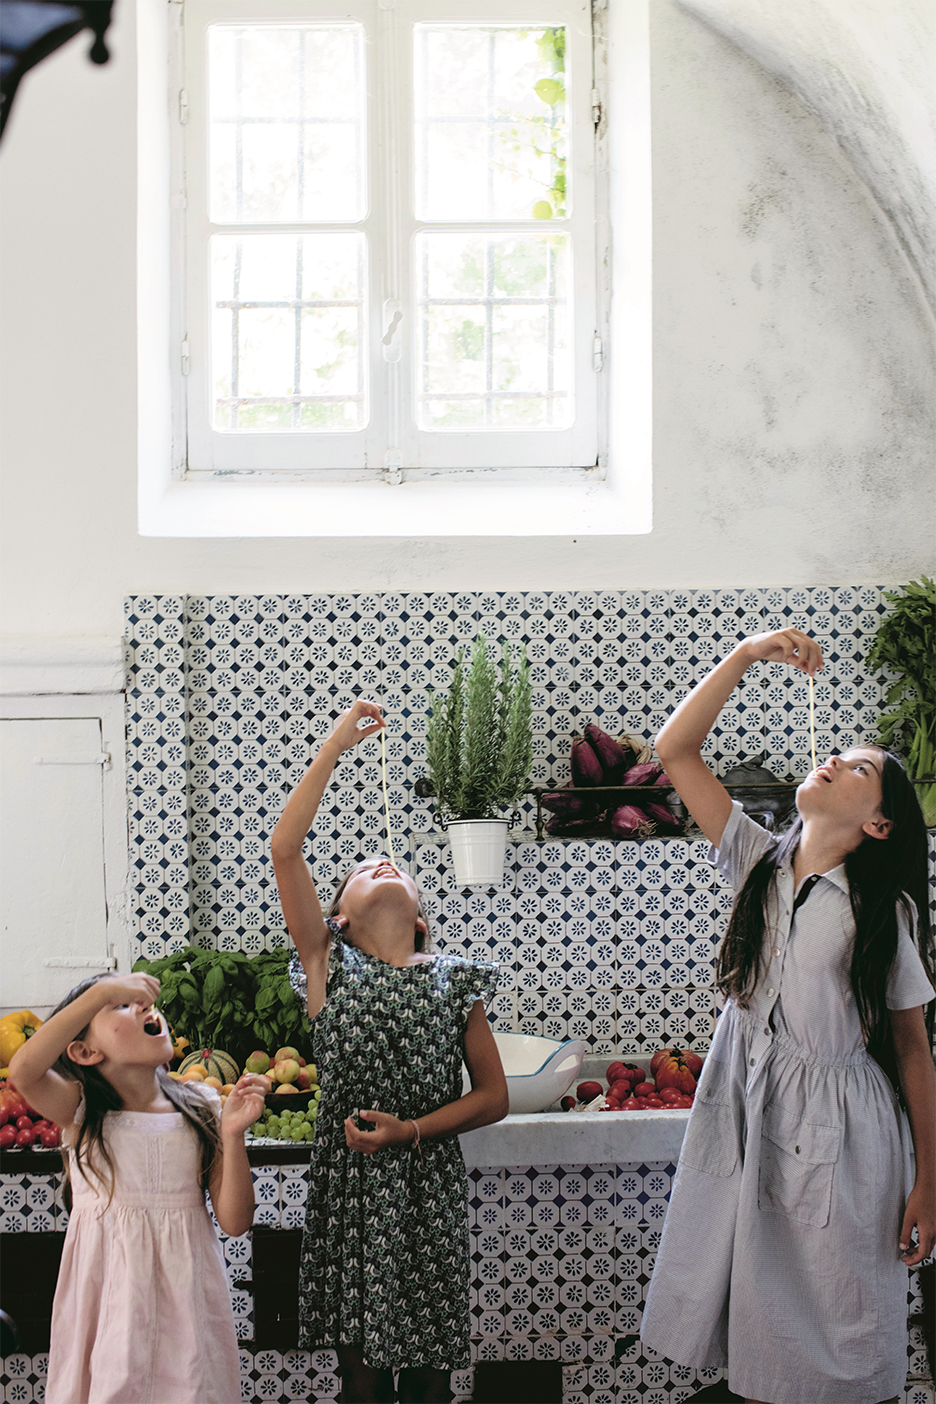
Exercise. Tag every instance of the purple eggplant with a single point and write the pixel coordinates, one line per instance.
(586, 767)
(662, 816)
(612, 757)
(627, 821)
(566, 804)
(644, 774)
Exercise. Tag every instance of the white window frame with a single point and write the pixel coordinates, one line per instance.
(391, 444)
(615, 500)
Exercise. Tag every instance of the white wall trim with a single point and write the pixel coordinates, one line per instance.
(33, 665)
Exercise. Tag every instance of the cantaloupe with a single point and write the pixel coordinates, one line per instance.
(215, 1062)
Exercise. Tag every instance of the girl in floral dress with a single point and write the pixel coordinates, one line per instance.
(385, 1262)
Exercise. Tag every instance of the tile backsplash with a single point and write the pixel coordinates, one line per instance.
(228, 698)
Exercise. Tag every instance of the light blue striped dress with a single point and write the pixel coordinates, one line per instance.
(779, 1256)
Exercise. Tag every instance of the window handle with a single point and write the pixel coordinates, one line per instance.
(392, 340)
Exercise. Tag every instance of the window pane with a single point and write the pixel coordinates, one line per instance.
(286, 112)
(494, 331)
(288, 331)
(490, 122)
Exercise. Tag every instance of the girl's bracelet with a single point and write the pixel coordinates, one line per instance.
(416, 1138)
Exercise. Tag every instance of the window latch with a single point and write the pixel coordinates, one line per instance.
(597, 354)
(392, 339)
(596, 106)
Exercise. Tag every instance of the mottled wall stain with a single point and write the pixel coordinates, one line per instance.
(793, 350)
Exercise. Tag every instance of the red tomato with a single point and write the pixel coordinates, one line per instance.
(25, 1138)
(7, 1136)
(50, 1136)
(620, 1090)
(653, 1102)
(644, 1089)
(641, 1103)
(631, 1104)
(14, 1104)
(683, 1104)
(670, 1095)
(23, 1123)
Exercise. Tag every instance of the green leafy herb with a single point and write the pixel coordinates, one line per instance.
(905, 644)
(227, 1000)
(479, 739)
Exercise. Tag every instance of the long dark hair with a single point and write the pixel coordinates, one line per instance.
(90, 1149)
(421, 943)
(881, 873)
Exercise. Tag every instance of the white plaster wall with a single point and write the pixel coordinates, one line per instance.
(793, 365)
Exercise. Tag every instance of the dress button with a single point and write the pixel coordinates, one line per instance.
(767, 1032)
(753, 1061)
(797, 1150)
(771, 992)
(776, 950)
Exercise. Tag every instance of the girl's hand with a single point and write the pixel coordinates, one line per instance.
(786, 646)
(347, 732)
(388, 1131)
(129, 989)
(244, 1104)
(920, 1214)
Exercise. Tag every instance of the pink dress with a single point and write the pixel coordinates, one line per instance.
(142, 1313)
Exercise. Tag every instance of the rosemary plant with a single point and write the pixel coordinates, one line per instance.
(905, 644)
(479, 739)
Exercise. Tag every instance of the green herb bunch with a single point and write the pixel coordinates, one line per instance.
(479, 740)
(228, 1000)
(905, 644)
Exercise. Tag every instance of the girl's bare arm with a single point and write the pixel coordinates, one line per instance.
(484, 1104)
(31, 1070)
(298, 896)
(679, 744)
(918, 1081)
(230, 1185)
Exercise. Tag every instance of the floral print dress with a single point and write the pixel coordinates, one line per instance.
(385, 1257)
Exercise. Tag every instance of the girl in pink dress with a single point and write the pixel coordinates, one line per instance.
(142, 1313)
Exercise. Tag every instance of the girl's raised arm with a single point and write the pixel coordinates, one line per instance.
(298, 896)
(679, 744)
(31, 1070)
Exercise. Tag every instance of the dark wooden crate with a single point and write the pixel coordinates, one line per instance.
(30, 1265)
(276, 1287)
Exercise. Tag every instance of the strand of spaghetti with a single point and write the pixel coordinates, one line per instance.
(812, 719)
(383, 767)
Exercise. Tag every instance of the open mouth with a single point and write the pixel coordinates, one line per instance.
(153, 1025)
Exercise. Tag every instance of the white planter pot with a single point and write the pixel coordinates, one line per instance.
(478, 847)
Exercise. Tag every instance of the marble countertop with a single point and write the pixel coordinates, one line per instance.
(578, 1138)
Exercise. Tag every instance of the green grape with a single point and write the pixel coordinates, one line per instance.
(317, 1093)
(313, 1113)
(257, 1129)
(285, 1117)
(297, 1134)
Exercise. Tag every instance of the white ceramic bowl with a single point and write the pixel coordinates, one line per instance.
(539, 1070)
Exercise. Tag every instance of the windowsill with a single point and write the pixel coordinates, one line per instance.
(431, 507)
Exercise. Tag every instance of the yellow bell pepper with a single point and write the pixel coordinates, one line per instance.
(14, 1031)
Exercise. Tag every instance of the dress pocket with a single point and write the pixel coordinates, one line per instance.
(797, 1165)
(711, 1142)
